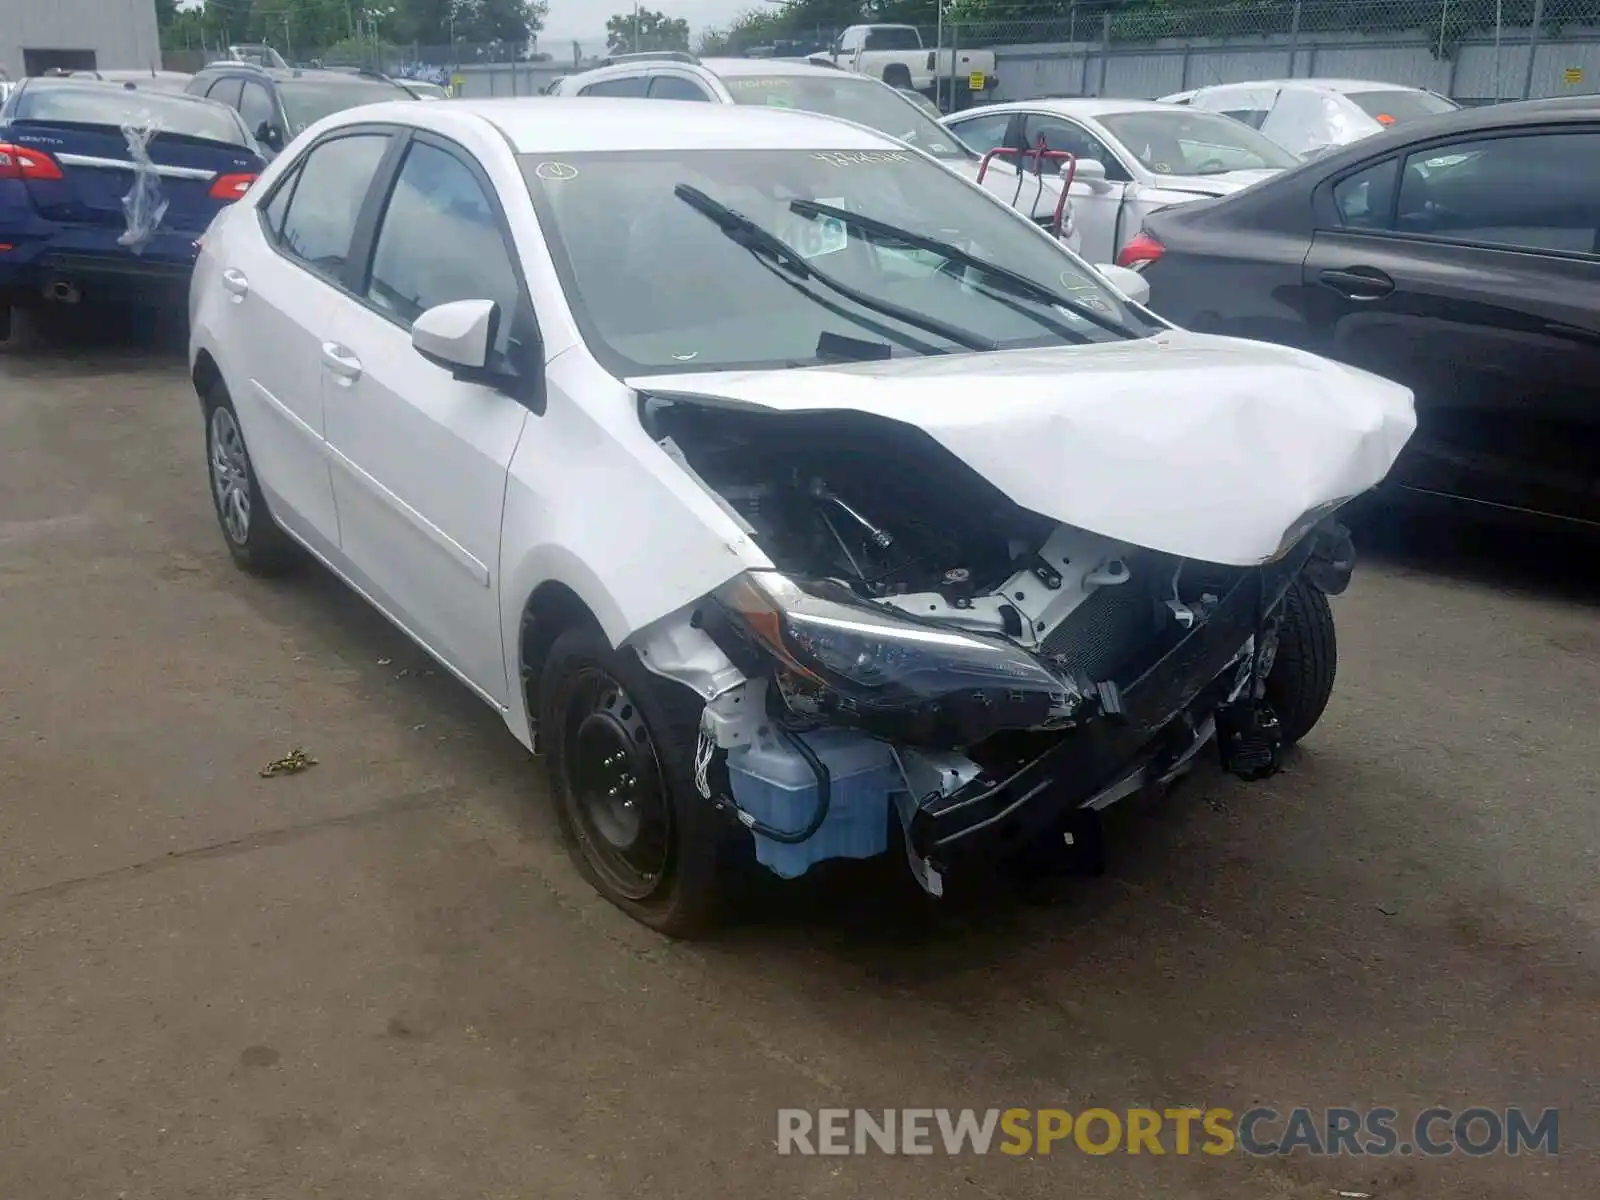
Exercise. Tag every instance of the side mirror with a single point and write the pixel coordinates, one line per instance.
(267, 134)
(1092, 174)
(458, 336)
(1128, 282)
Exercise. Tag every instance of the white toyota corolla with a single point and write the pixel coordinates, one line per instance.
(802, 499)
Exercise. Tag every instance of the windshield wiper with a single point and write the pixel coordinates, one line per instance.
(761, 241)
(1016, 282)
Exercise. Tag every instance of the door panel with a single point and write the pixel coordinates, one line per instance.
(1502, 348)
(420, 459)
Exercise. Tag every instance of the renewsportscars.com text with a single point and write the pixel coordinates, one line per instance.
(1258, 1131)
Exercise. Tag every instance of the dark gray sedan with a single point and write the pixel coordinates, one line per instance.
(1460, 256)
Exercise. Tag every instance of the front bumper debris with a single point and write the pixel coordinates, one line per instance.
(1144, 732)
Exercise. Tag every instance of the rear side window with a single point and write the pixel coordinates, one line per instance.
(112, 104)
(440, 240)
(631, 85)
(984, 133)
(226, 91)
(676, 87)
(1253, 117)
(1365, 200)
(321, 218)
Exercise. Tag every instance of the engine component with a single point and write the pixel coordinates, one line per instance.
(775, 786)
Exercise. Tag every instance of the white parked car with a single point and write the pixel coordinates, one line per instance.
(789, 488)
(806, 86)
(1309, 116)
(1134, 157)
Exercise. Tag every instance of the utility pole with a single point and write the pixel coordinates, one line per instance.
(636, 46)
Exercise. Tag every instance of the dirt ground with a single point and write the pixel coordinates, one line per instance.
(382, 978)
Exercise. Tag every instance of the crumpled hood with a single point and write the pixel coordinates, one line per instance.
(1205, 447)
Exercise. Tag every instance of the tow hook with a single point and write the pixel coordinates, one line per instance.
(1249, 739)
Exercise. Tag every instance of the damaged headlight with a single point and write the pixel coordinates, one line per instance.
(854, 661)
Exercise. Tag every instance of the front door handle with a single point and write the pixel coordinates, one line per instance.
(234, 280)
(1359, 283)
(338, 359)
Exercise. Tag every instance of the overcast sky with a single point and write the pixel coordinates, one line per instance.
(587, 18)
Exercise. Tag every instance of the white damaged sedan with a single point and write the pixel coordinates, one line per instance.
(797, 499)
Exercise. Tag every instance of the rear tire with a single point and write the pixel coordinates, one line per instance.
(619, 744)
(1302, 675)
(254, 540)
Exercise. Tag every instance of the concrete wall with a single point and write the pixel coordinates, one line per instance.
(480, 80)
(122, 33)
(1159, 68)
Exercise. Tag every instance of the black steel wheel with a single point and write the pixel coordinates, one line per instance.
(619, 743)
(1301, 679)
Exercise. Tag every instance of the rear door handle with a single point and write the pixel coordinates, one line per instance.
(234, 280)
(1359, 283)
(338, 359)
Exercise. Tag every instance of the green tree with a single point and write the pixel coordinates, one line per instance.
(644, 29)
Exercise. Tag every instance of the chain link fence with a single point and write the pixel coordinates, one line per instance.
(1476, 51)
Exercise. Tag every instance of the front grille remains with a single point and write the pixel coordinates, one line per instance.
(1111, 626)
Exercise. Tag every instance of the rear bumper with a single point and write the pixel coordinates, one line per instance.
(99, 268)
(1164, 715)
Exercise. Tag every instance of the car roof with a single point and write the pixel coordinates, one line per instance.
(1343, 86)
(735, 68)
(1080, 106)
(88, 84)
(1485, 118)
(554, 124)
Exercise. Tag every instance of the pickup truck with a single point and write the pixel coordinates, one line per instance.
(896, 55)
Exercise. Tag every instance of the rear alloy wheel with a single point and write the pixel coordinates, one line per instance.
(619, 743)
(254, 539)
(1303, 670)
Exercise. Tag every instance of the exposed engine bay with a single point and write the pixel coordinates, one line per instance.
(928, 648)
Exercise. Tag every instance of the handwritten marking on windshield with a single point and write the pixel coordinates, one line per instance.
(862, 158)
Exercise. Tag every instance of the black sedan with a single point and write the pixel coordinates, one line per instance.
(1460, 256)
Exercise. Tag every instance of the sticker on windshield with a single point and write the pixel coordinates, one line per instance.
(862, 158)
(820, 237)
(556, 172)
(755, 84)
(779, 102)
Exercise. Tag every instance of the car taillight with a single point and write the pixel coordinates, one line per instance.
(1140, 252)
(24, 162)
(231, 187)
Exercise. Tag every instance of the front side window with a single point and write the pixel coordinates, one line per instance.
(1526, 192)
(676, 87)
(439, 240)
(691, 260)
(226, 91)
(255, 106)
(334, 179)
(1074, 139)
(864, 101)
(627, 86)
(1175, 142)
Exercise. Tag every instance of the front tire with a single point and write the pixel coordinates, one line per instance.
(254, 540)
(1302, 675)
(619, 743)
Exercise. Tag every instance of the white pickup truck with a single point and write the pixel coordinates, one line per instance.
(896, 55)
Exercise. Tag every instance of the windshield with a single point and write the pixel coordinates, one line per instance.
(1398, 107)
(307, 101)
(656, 284)
(1184, 141)
(112, 104)
(864, 101)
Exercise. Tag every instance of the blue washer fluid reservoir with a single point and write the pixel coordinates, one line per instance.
(775, 784)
